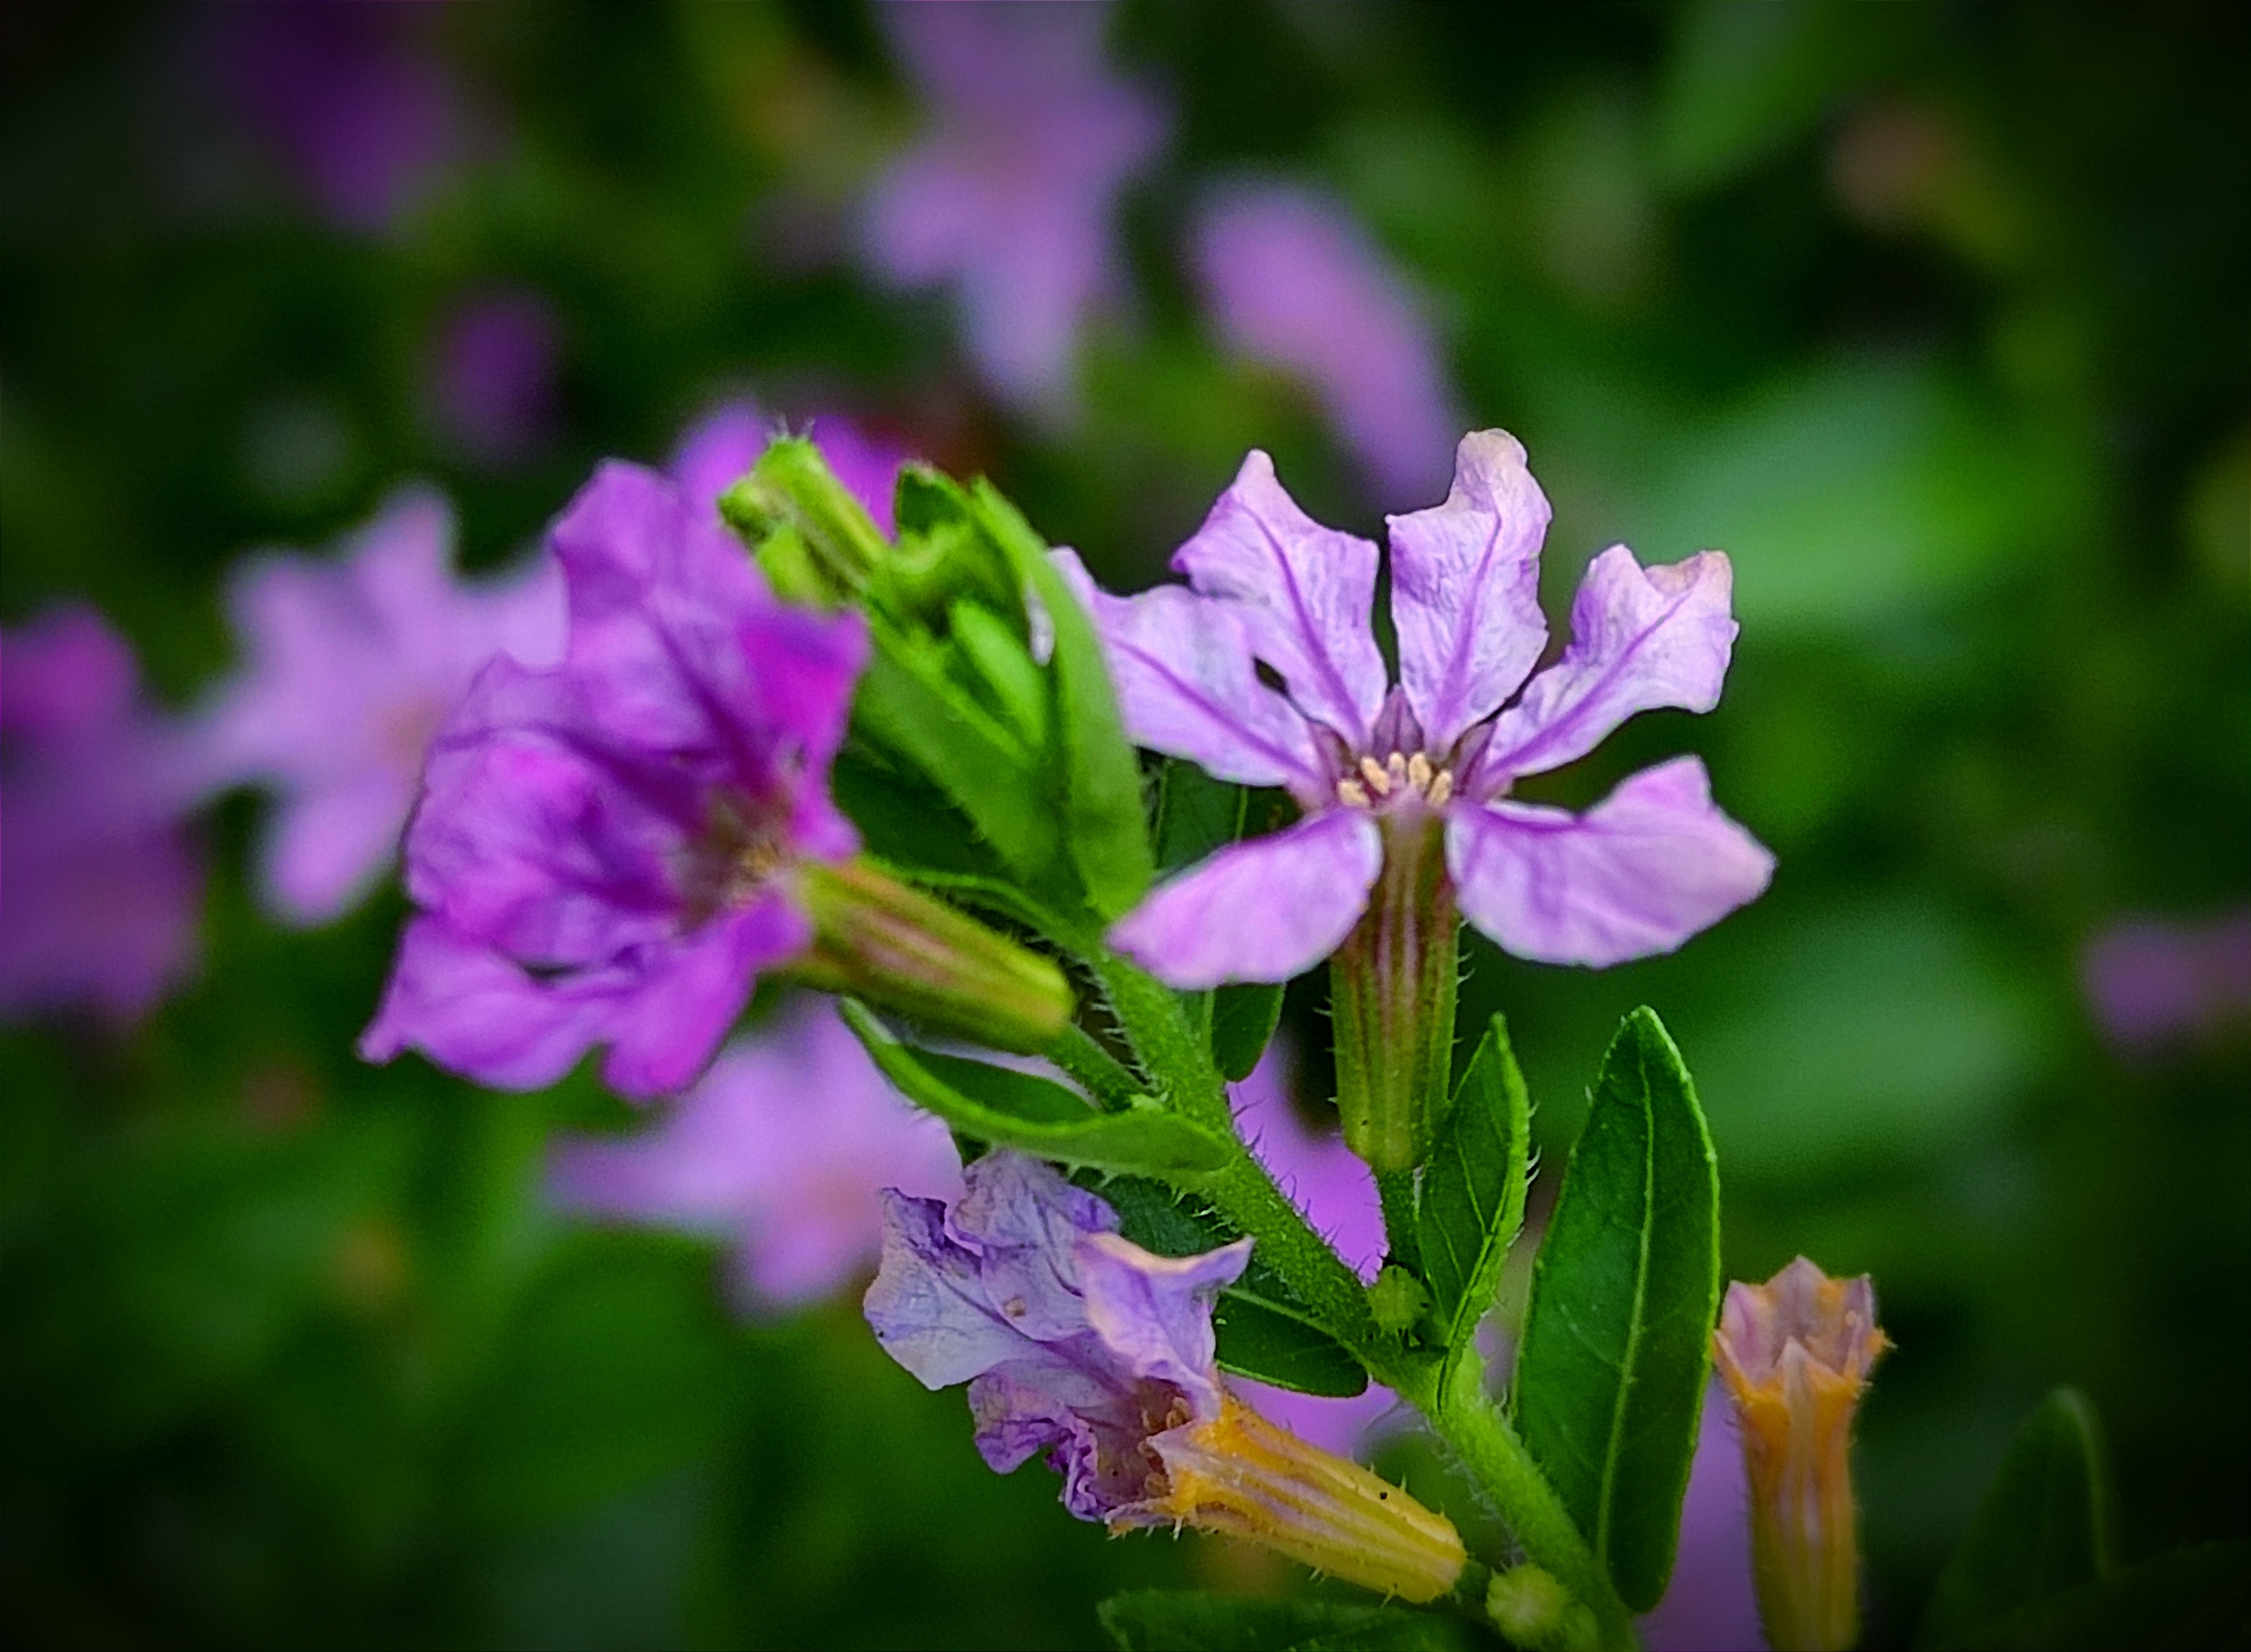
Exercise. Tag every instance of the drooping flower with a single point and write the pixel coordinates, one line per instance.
(1796, 1353)
(102, 888)
(352, 665)
(1077, 1343)
(2153, 984)
(1294, 282)
(783, 1147)
(1007, 193)
(607, 853)
(1376, 769)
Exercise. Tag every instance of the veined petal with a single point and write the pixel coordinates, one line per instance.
(691, 990)
(1188, 684)
(1261, 910)
(1641, 639)
(1639, 873)
(927, 1306)
(1306, 593)
(1028, 1221)
(1154, 1312)
(1466, 589)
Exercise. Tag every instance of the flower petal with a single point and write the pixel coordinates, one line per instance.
(1188, 684)
(1466, 589)
(1307, 595)
(1261, 910)
(928, 1306)
(689, 992)
(1154, 1312)
(1641, 639)
(1027, 1221)
(1639, 873)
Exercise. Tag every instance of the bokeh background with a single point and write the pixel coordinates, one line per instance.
(1932, 314)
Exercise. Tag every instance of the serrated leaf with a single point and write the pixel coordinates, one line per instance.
(1472, 1202)
(1617, 1342)
(1186, 1620)
(1035, 1116)
(2043, 1528)
(2196, 1599)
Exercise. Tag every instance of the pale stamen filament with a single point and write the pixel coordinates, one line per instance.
(1399, 773)
(1395, 766)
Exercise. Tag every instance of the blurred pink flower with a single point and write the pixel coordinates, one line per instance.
(781, 1148)
(493, 376)
(1709, 1606)
(1008, 194)
(351, 665)
(102, 889)
(2151, 982)
(1294, 282)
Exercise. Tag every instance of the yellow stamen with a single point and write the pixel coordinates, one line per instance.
(1379, 782)
(1418, 771)
(1352, 792)
(1442, 786)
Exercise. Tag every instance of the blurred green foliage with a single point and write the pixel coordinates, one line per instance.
(1930, 314)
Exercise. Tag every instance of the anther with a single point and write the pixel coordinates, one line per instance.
(1380, 780)
(1353, 794)
(1418, 771)
(1442, 786)
(1395, 766)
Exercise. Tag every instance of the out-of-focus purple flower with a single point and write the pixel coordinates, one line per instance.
(2153, 984)
(606, 854)
(351, 666)
(355, 98)
(99, 889)
(1007, 193)
(783, 1148)
(727, 441)
(1293, 281)
(1710, 1604)
(1372, 765)
(493, 376)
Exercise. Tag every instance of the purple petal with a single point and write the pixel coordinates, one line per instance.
(1307, 594)
(1466, 589)
(927, 1306)
(717, 449)
(1325, 1178)
(1187, 685)
(1261, 910)
(692, 990)
(1711, 1604)
(1026, 1220)
(1641, 639)
(1639, 873)
(1153, 1313)
(325, 851)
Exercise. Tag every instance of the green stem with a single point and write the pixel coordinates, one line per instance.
(1395, 1189)
(1104, 1076)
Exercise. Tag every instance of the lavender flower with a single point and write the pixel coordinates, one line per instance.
(1294, 282)
(1377, 771)
(608, 853)
(782, 1147)
(352, 665)
(1007, 195)
(1077, 1343)
(2153, 983)
(103, 890)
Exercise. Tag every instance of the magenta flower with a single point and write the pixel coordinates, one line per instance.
(1269, 587)
(604, 852)
(102, 887)
(1008, 193)
(783, 1147)
(351, 667)
(719, 447)
(1294, 282)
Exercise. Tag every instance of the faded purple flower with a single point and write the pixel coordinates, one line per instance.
(493, 376)
(783, 1147)
(2153, 983)
(727, 441)
(605, 852)
(1637, 874)
(102, 887)
(1007, 193)
(1710, 1604)
(1293, 281)
(351, 665)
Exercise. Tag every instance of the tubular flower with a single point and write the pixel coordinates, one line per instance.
(1077, 1342)
(1796, 1354)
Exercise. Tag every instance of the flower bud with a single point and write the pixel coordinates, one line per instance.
(1532, 1607)
(816, 542)
(1393, 985)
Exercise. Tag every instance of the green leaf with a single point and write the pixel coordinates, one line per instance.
(2044, 1527)
(1003, 666)
(2192, 1599)
(1183, 1621)
(1195, 813)
(1472, 1195)
(1243, 1021)
(1035, 1116)
(1102, 820)
(1616, 1343)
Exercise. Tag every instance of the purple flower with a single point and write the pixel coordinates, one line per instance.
(1008, 192)
(727, 441)
(2153, 984)
(782, 1147)
(102, 888)
(1293, 282)
(1269, 588)
(604, 854)
(492, 391)
(1710, 1606)
(1074, 1340)
(351, 667)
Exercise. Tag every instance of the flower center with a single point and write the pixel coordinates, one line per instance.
(739, 850)
(1399, 779)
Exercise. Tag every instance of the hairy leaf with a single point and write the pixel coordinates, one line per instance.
(1472, 1195)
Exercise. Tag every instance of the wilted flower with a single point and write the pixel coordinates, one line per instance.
(352, 665)
(1293, 281)
(102, 888)
(783, 1147)
(1077, 1342)
(1796, 1353)
(1008, 194)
